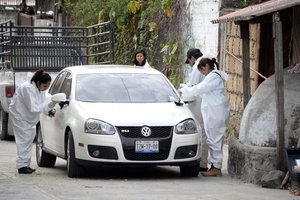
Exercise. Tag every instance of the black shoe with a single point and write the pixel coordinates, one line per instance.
(203, 169)
(32, 170)
(25, 170)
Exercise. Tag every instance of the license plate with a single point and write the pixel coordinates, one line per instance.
(146, 147)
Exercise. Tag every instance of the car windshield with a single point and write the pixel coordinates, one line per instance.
(142, 88)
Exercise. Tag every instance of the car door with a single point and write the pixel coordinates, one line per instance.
(50, 130)
(61, 115)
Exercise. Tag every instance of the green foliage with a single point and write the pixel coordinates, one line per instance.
(134, 6)
(137, 23)
(242, 3)
(83, 12)
(119, 12)
(170, 54)
(167, 6)
(125, 13)
(245, 3)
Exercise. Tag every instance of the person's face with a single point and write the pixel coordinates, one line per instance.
(192, 61)
(205, 69)
(140, 57)
(43, 86)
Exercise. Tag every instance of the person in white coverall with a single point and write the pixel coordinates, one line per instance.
(193, 58)
(215, 110)
(27, 104)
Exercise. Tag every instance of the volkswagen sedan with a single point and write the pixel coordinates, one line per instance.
(117, 115)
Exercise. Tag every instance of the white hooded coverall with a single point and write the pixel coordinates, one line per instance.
(27, 104)
(215, 110)
(195, 78)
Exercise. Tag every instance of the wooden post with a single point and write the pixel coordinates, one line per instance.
(246, 62)
(279, 89)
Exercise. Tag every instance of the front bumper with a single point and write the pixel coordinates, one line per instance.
(119, 149)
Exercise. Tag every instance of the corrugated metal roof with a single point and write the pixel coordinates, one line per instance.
(257, 10)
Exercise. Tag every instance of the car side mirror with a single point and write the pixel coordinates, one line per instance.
(188, 99)
(59, 97)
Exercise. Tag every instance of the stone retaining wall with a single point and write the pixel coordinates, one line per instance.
(249, 163)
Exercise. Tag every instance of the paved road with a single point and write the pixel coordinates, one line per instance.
(163, 183)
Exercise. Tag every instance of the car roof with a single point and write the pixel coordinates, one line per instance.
(111, 68)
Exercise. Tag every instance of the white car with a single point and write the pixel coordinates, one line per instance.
(115, 114)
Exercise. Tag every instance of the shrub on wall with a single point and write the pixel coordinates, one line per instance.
(139, 24)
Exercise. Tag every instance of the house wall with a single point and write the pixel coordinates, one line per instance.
(202, 33)
(231, 60)
(199, 31)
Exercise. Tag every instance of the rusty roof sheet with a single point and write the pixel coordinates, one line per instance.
(257, 10)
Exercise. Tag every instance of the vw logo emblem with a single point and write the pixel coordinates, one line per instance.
(146, 131)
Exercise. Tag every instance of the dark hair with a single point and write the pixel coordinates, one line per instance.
(40, 77)
(144, 61)
(196, 53)
(211, 63)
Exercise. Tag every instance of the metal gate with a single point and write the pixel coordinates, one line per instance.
(53, 48)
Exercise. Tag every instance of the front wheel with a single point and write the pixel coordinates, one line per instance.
(74, 170)
(190, 170)
(43, 158)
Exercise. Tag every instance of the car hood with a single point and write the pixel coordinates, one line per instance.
(137, 114)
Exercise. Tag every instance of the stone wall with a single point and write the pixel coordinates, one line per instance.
(249, 163)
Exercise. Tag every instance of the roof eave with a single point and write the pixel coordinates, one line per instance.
(235, 19)
(257, 10)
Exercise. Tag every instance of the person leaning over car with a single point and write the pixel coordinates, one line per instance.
(27, 104)
(193, 58)
(215, 110)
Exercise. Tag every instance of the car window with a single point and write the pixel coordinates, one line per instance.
(57, 83)
(124, 88)
(66, 85)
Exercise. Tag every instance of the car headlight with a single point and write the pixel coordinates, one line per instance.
(187, 126)
(98, 127)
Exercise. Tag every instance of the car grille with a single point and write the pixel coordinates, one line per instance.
(129, 135)
(135, 132)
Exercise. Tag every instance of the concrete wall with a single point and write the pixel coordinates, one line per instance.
(202, 33)
(6, 15)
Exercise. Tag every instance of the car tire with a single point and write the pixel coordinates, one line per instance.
(43, 158)
(73, 169)
(190, 170)
(4, 125)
